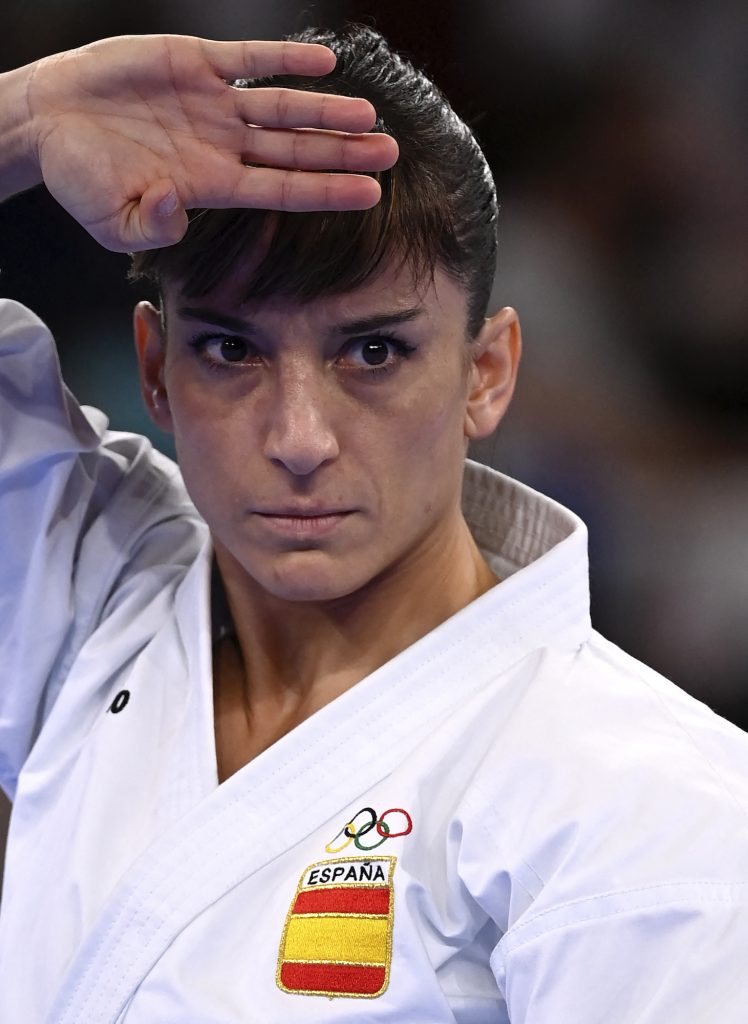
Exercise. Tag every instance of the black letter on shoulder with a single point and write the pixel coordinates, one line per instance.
(120, 702)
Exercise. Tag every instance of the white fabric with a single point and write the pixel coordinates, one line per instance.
(579, 842)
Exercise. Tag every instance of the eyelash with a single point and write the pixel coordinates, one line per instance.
(402, 351)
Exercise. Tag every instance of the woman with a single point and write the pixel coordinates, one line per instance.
(332, 738)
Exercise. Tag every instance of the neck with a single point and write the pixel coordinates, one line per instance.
(297, 656)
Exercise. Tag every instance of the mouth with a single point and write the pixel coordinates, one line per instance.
(321, 514)
(305, 524)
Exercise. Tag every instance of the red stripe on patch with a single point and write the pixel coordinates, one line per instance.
(339, 978)
(349, 900)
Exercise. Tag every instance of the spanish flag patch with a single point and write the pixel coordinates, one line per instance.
(338, 935)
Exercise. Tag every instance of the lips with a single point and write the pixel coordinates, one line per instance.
(304, 527)
(304, 513)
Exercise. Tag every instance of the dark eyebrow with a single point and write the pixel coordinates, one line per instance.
(377, 320)
(360, 326)
(212, 316)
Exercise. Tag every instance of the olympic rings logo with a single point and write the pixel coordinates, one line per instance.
(366, 821)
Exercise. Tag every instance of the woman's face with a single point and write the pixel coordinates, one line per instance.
(354, 403)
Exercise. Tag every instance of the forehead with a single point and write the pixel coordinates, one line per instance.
(394, 287)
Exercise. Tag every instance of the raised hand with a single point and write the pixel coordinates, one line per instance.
(131, 132)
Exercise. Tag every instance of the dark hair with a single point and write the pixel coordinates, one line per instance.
(438, 203)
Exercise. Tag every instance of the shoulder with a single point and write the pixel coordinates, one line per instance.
(14, 316)
(653, 721)
(598, 706)
(604, 775)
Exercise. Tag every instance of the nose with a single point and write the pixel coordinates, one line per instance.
(300, 434)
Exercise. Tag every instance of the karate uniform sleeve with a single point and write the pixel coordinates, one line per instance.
(668, 953)
(636, 830)
(82, 512)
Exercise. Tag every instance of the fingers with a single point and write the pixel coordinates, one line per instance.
(156, 220)
(159, 218)
(162, 216)
(312, 150)
(257, 59)
(297, 191)
(289, 108)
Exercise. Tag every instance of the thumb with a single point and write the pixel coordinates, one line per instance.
(159, 218)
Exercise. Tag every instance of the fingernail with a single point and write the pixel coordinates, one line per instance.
(168, 204)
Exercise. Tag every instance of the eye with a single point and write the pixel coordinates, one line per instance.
(221, 349)
(233, 350)
(376, 353)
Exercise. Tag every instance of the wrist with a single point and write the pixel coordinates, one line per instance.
(19, 163)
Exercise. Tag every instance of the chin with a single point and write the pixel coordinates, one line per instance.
(289, 582)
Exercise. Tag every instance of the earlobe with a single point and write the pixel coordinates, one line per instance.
(496, 355)
(150, 346)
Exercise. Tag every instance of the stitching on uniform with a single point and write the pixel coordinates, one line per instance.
(377, 697)
(690, 888)
(389, 918)
(127, 912)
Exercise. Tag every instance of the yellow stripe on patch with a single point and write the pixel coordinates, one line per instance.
(351, 940)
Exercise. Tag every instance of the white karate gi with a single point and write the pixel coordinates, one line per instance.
(561, 835)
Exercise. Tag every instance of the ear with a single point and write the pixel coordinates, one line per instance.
(150, 345)
(495, 358)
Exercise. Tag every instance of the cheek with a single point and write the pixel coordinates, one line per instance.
(201, 408)
(432, 417)
(417, 449)
(208, 445)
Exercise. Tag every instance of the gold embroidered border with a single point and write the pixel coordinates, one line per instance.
(343, 963)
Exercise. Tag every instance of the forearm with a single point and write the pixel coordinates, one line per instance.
(19, 168)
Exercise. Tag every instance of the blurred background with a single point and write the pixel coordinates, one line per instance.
(618, 137)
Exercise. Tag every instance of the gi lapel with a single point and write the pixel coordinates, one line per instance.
(211, 850)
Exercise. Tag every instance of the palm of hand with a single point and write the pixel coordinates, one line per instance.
(124, 124)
